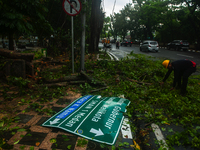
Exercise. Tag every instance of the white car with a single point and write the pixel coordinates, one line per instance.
(149, 45)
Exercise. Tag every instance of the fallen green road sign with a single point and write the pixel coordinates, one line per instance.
(92, 117)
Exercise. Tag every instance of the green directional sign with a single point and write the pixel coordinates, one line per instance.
(92, 117)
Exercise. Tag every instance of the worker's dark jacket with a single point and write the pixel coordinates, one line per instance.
(179, 67)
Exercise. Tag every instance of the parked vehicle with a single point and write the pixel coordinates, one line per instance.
(149, 45)
(126, 43)
(112, 41)
(178, 45)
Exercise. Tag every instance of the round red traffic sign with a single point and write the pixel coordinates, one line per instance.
(72, 7)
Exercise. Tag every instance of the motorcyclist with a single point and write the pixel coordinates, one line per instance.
(117, 45)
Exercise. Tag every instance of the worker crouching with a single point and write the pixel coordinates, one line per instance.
(182, 70)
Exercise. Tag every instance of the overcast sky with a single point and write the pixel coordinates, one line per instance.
(108, 5)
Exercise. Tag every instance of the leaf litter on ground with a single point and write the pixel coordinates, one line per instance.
(139, 80)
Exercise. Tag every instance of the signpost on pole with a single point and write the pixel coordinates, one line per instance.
(92, 117)
(72, 8)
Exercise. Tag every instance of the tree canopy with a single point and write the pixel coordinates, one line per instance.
(162, 20)
(23, 16)
(44, 18)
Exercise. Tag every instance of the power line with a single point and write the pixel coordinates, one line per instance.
(113, 7)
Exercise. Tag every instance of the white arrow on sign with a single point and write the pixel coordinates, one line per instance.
(54, 122)
(97, 132)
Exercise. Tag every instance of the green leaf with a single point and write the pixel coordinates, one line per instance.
(21, 130)
(170, 130)
(69, 146)
(16, 142)
(197, 127)
(32, 148)
(1, 124)
(53, 140)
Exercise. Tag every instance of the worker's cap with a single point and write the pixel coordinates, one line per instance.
(166, 63)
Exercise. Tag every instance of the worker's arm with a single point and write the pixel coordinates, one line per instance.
(167, 75)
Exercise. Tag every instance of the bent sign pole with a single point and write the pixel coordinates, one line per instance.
(72, 8)
(92, 117)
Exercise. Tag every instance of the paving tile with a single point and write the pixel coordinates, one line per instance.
(47, 143)
(40, 129)
(44, 100)
(32, 138)
(8, 134)
(62, 101)
(34, 107)
(17, 137)
(25, 147)
(7, 146)
(24, 118)
(56, 130)
(95, 146)
(57, 109)
(42, 120)
(65, 142)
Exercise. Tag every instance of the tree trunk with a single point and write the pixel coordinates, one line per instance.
(11, 42)
(94, 26)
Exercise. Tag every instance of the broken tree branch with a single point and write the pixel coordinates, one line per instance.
(91, 80)
(139, 82)
(13, 55)
(54, 84)
(63, 79)
(96, 90)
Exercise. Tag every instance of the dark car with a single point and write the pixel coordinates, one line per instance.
(178, 45)
(126, 43)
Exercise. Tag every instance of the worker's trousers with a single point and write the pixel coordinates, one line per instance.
(184, 76)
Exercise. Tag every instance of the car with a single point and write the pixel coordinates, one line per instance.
(178, 45)
(112, 41)
(149, 45)
(126, 43)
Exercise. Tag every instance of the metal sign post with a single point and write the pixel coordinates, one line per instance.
(72, 8)
(72, 21)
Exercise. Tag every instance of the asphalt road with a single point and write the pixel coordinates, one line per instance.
(163, 53)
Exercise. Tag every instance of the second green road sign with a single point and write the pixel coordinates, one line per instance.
(92, 117)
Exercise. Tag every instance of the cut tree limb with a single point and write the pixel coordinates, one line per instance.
(66, 78)
(77, 82)
(91, 80)
(96, 90)
(139, 82)
(13, 55)
(54, 84)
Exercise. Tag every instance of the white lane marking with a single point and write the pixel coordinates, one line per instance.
(114, 56)
(110, 56)
(159, 135)
(126, 129)
(185, 55)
